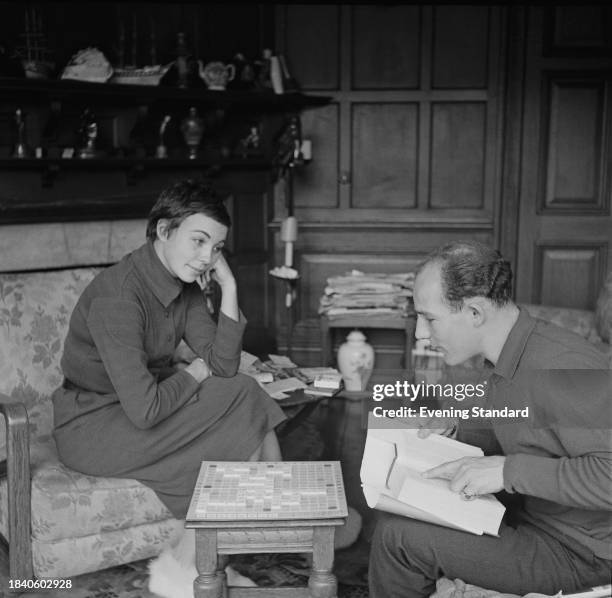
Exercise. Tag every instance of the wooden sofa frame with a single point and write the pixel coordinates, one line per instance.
(16, 467)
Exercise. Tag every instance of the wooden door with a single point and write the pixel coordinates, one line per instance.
(565, 228)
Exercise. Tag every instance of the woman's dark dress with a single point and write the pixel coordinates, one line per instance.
(123, 411)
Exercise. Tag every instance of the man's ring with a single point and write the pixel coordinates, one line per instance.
(466, 496)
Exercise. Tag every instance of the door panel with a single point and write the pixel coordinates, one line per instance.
(565, 227)
(575, 143)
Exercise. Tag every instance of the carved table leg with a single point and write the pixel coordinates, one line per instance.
(222, 561)
(208, 583)
(322, 582)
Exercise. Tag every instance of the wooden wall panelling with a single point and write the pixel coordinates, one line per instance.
(309, 36)
(458, 150)
(406, 121)
(384, 155)
(460, 52)
(316, 183)
(388, 53)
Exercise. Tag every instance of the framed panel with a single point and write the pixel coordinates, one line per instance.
(316, 183)
(579, 30)
(384, 155)
(568, 274)
(458, 138)
(317, 28)
(574, 150)
(460, 47)
(386, 50)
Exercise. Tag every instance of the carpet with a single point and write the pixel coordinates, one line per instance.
(267, 570)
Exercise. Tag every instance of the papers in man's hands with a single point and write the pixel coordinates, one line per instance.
(391, 468)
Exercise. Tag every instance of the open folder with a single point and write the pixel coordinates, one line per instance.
(393, 461)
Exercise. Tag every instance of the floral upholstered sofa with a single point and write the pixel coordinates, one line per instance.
(59, 523)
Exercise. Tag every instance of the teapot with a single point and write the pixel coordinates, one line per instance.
(216, 75)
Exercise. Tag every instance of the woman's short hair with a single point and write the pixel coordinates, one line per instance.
(183, 199)
(472, 269)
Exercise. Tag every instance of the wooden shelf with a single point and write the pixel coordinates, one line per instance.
(110, 93)
(113, 197)
(127, 163)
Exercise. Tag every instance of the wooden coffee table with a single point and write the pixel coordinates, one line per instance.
(272, 507)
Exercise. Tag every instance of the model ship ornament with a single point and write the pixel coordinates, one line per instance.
(34, 53)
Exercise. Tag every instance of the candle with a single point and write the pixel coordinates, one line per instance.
(307, 149)
(289, 254)
(288, 234)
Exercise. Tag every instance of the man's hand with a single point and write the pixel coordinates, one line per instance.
(437, 425)
(472, 476)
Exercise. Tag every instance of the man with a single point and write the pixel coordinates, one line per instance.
(560, 461)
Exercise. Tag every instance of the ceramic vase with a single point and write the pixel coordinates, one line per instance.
(356, 361)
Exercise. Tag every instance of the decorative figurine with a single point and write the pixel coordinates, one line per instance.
(250, 144)
(192, 128)
(244, 78)
(185, 63)
(162, 151)
(21, 149)
(88, 133)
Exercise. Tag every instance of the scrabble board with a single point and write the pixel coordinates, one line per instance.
(237, 490)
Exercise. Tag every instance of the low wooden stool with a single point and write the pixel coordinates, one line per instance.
(271, 507)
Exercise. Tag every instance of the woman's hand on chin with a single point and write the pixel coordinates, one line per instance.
(222, 274)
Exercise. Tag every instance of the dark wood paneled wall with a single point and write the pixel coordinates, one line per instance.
(407, 156)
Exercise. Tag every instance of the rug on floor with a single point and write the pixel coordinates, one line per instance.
(267, 570)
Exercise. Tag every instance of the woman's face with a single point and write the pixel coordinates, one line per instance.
(192, 248)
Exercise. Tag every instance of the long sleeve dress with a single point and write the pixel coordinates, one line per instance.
(122, 411)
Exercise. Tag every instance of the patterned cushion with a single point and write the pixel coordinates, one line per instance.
(34, 312)
(74, 556)
(79, 523)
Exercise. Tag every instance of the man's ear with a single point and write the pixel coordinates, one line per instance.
(162, 229)
(476, 310)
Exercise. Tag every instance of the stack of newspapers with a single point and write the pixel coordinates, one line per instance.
(360, 293)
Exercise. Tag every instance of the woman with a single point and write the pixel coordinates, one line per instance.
(122, 410)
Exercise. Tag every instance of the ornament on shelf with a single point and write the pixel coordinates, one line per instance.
(88, 134)
(216, 75)
(161, 151)
(21, 149)
(356, 361)
(192, 128)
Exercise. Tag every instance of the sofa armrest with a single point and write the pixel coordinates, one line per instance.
(19, 487)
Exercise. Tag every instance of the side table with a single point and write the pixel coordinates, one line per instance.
(393, 322)
(270, 507)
